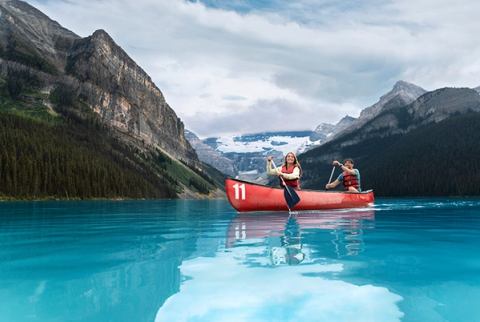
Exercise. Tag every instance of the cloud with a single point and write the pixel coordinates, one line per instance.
(265, 115)
(325, 58)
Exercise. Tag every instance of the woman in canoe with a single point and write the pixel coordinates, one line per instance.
(290, 171)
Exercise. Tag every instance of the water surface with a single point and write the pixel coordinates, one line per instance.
(408, 260)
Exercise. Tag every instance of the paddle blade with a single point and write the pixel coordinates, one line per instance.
(291, 197)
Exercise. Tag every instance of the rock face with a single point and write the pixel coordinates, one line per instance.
(125, 96)
(211, 156)
(326, 130)
(105, 77)
(28, 35)
(402, 94)
(404, 91)
(345, 122)
(322, 131)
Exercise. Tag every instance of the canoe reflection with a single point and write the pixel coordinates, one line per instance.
(288, 236)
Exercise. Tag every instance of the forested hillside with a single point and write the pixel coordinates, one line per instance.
(438, 159)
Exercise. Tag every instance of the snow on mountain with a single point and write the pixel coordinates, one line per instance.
(248, 152)
(265, 143)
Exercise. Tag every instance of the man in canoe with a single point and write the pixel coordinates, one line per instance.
(290, 171)
(350, 177)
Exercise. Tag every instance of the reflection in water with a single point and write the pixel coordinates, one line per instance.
(283, 232)
(257, 276)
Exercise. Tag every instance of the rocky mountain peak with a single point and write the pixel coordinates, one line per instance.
(406, 89)
(324, 128)
(103, 35)
(403, 85)
(28, 35)
(402, 90)
(402, 94)
(344, 122)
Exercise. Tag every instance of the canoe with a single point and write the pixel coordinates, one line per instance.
(247, 196)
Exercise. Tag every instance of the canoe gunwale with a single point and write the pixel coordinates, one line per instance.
(309, 190)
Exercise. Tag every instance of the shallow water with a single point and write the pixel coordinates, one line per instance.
(409, 260)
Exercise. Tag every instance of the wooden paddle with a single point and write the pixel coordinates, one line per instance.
(291, 196)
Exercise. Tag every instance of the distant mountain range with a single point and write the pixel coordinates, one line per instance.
(244, 155)
(91, 98)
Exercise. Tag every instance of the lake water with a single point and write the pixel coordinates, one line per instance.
(408, 260)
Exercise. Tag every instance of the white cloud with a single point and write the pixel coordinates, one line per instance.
(324, 58)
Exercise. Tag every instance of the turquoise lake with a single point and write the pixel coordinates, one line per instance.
(402, 260)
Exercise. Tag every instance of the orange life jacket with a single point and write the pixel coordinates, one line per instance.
(350, 180)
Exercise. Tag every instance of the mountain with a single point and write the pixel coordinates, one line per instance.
(326, 130)
(401, 94)
(31, 38)
(421, 148)
(344, 123)
(211, 156)
(322, 131)
(64, 84)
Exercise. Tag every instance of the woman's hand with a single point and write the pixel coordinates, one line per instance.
(336, 163)
(269, 159)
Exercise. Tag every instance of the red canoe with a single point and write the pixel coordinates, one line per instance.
(247, 196)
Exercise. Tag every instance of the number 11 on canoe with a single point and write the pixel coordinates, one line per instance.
(239, 190)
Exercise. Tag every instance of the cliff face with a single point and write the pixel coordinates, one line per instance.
(211, 156)
(107, 79)
(125, 96)
(30, 37)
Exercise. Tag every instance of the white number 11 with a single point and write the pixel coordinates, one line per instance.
(239, 188)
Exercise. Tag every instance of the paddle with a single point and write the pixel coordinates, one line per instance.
(289, 193)
(331, 175)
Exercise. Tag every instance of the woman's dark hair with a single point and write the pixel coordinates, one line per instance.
(350, 160)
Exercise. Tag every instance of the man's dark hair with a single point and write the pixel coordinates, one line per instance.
(351, 160)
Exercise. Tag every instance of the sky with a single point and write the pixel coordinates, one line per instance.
(245, 66)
